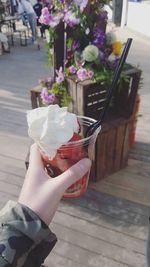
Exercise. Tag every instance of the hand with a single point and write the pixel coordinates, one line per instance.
(42, 193)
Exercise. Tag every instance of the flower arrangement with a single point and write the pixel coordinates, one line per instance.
(91, 53)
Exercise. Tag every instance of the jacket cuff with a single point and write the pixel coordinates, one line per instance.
(24, 232)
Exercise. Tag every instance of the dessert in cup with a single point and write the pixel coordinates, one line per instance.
(60, 136)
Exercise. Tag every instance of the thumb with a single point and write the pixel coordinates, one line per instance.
(74, 173)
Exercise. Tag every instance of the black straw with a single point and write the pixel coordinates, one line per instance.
(91, 129)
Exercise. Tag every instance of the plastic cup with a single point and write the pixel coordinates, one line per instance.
(70, 153)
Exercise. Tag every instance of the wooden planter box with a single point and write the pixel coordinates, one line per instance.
(112, 148)
(114, 141)
(89, 97)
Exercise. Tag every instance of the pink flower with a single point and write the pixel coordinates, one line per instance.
(48, 19)
(90, 74)
(46, 97)
(45, 16)
(60, 75)
(72, 69)
(82, 74)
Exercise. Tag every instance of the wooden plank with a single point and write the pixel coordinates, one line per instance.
(5, 197)
(118, 203)
(115, 208)
(34, 101)
(145, 147)
(18, 146)
(99, 218)
(11, 179)
(83, 257)
(100, 232)
(122, 192)
(80, 99)
(140, 151)
(110, 148)
(140, 168)
(111, 251)
(101, 156)
(119, 147)
(56, 260)
(91, 97)
(9, 188)
(12, 166)
(126, 146)
(94, 110)
(132, 182)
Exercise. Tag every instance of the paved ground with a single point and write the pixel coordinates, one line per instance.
(97, 230)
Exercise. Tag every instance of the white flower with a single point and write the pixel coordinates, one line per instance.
(110, 38)
(87, 31)
(90, 53)
(81, 3)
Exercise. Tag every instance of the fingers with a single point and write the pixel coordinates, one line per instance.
(35, 160)
(74, 173)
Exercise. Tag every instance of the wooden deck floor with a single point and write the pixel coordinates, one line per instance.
(105, 228)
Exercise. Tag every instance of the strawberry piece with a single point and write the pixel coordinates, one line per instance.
(75, 137)
(67, 153)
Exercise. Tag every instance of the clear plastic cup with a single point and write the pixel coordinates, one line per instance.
(70, 153)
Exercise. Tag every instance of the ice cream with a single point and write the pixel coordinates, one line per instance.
(51, 127)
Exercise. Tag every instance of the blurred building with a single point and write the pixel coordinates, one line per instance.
(133, 13)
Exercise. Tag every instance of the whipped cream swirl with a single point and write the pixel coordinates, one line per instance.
(51, 127)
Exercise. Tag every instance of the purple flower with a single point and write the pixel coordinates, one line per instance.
(76, 45)
(99, 38)
(103, 15)
(60, 75)
(46, 97)
(72, 69)
(113, 64)
(81, 3)
(82, 74)
(104, 57)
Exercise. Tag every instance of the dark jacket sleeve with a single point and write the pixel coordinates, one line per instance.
(25, 240)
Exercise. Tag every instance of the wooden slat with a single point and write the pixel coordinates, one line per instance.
(132, 184)
(119, 146)
(11, 165)
(56, 260)
(102, 219)
(96, 246)
(83, 256)
(101, 156)
(110, 148)
(126, 146)
(100, 232)
(122, 192)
